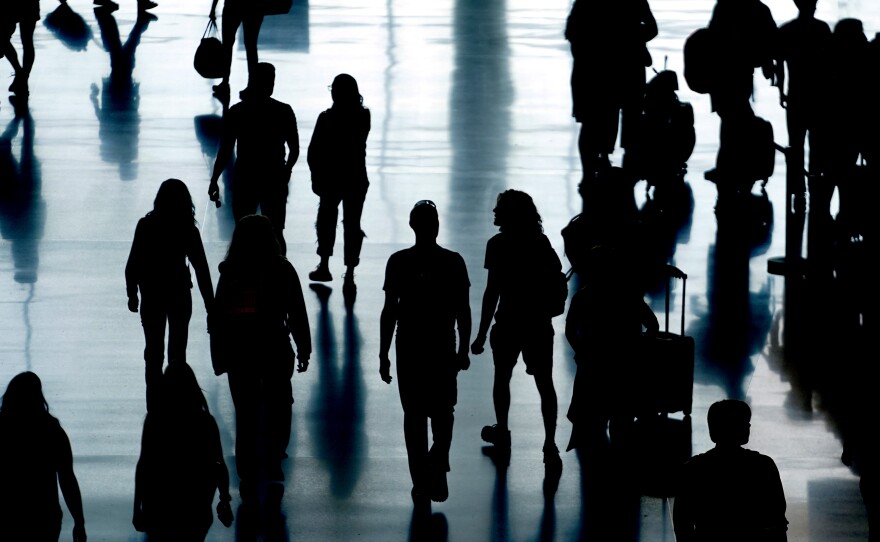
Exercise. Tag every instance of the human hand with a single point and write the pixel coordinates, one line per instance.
(385, 369)
(478, 345)
(214, 190)
(302, 364)
(79, 533)
(133, 303)
(224, 512)
(464, 361)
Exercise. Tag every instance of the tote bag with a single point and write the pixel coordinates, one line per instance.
(208, 60)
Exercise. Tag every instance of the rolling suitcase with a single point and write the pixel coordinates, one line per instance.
(666, 374)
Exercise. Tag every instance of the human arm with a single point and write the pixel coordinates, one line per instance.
(387, 323)
(224, 508)
(224, 154)
(199, 261)
(132, 268)
(463, 321)
(683, 508)
(292, 140)
(487, 312)
(213, 14)
(315, 155)
(70, 487)
(648, 318)
(775, 525)
(298, 322)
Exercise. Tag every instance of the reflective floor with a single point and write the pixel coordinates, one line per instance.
(468, 98)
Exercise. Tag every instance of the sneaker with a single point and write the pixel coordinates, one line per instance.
(495, 436)
(321, 274)
(146, 4)
(221, 90)
(348, 285)
(19, 86)
(439, 486)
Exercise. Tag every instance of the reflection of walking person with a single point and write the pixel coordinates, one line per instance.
(521, 264)
(730, 493)
(261, 127)
(337, 159)
(181, 465)
(164, 240)
(259, 306)
(426, 299)
(35, 460)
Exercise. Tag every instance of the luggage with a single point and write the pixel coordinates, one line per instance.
(666, 372)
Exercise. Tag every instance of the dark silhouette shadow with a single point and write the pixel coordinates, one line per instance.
(258, 307)
(337, 161)
(427, 303)
(427, 527)
(609, 499)
(287, 32)
(339, 404)
(262, 133)
(69, 27)
(523, 268)
(37, 461)
(22, 207)
(181, 465)
(729, 492)
(499, 530)
(117, 109)
(256, 523)
(166, 243)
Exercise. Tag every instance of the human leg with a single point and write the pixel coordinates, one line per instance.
(273, 204)
(179, 314)
(504, 355)
(245, 391)
(415, 435)
(278, 409)
(153, 320)
(231, 20)
(251, 26)
(26, 30)
(325, 229)
(352, 210)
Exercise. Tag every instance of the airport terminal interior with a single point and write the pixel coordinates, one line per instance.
(468, 98)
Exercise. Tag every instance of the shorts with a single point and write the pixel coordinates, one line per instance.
(534, 342)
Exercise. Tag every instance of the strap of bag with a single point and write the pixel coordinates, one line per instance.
(210, 29)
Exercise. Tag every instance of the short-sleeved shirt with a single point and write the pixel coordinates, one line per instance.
(804, 47)
(261, 128)
(526, 266)
(428, 283)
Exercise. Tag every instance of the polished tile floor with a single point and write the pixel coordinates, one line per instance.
(469, 97)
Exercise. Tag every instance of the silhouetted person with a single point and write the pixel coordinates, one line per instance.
(521, 264)
(608, 44)
(181, 465)
(258, 307)
(142, 5)
(744, 36)
(25, 14)
(166, 241)
(337, 159)
(249, 16)
(604, 326)
(117, 110)
(426, 300)
(36, 460)
(730, 493)
(258, 128)
(802, 56)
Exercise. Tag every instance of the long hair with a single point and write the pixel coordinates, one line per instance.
(515, 212)
(345, 93)
(181, 393)
(174, 203)
(253, 242)
(24, 396)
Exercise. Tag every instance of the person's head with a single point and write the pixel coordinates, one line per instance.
(516, 212)
(424, 221)
(24, 396)
(261, 83)
(729, 422)
(180, 390)
(173, 201)
(253, 241)
(806, 8)
(344, 91)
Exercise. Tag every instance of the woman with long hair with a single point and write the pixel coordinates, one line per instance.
(337, 160)
(181, 465)
(164, 241)
(36, 460)
(522, 268)
(258, 307)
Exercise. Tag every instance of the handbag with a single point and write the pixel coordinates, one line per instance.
(276, 7)
(209, 57)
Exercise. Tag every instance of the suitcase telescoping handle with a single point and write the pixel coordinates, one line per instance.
(674, 272)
